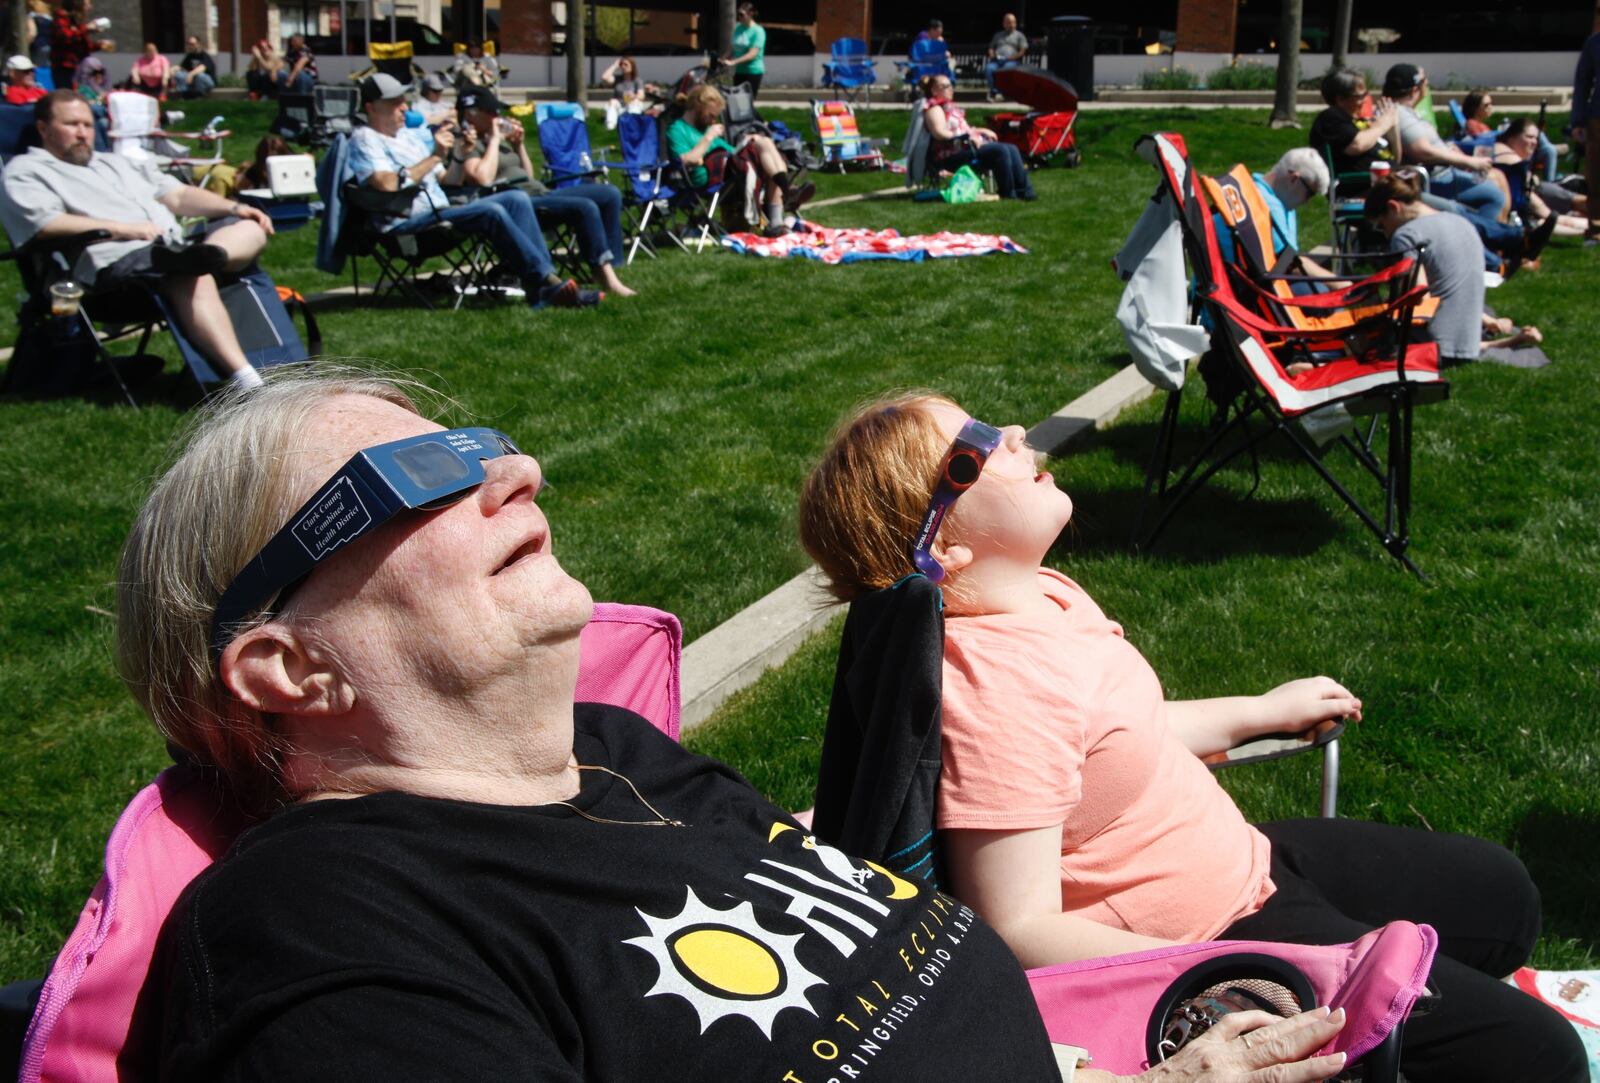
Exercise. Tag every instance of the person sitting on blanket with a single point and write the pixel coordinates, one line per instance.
(954, 143)
(63, 188)
(459, 872)
(1450, 269)
(493, 151)
(384, 154)
(696, 139)
(1075, 811)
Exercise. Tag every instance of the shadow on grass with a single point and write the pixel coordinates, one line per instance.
(1550, 841)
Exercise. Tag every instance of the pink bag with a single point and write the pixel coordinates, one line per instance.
(1114, 1007)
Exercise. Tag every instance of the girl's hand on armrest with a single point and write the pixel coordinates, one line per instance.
(1302, 705)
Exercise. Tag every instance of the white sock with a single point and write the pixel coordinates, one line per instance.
(247, 377)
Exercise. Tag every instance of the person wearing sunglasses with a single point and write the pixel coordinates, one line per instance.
(1354, 128)
(1075, 811)
(1294, 180)
(457, 871)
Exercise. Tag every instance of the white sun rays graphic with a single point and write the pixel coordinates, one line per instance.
(724, 963)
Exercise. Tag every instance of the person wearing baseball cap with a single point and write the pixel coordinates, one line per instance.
(431, 104)
(387, 156)
(21, 86)
(493, 151)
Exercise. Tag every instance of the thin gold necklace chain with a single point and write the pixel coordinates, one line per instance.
(659, 821)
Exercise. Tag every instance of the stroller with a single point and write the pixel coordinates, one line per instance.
(1046, 129)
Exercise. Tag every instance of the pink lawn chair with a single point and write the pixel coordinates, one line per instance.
(176, 826)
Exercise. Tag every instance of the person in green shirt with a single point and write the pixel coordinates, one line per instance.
(697, 136)
(749, 50)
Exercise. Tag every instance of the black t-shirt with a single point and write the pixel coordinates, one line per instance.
(404, 938)
(203, 59)
(1335, 128)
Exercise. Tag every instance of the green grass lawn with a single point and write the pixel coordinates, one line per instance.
(676, 428)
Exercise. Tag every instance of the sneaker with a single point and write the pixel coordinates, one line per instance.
(189, 259)
(567, 294)
(798, 197)
(775, 230)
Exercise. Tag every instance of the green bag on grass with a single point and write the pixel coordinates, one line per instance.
(964, 186)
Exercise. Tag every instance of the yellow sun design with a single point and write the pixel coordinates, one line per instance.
(724, 963)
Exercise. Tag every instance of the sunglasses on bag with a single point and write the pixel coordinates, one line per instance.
(419, 473)
(961, 467)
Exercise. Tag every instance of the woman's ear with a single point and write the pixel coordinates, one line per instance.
(272, 670)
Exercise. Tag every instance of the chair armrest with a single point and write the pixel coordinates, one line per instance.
(40, 246)
(1274, 746)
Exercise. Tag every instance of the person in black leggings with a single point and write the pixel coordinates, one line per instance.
(955, 143)
(1339, 879)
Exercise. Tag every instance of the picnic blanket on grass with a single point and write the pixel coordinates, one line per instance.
(855, 245)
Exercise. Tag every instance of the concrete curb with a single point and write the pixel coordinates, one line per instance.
(734, 655)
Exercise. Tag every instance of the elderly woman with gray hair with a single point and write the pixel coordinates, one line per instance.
(357, 616)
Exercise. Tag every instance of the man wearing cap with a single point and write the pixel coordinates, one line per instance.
(21, 88)
(1455, 176)
(386, 155)
(493, 151)
(63, 189)
(434, 109)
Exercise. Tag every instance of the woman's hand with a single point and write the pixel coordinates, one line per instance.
(1255, 1047)
(1303, 705)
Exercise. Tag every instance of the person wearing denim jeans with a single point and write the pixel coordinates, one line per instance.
(195, 76)
(299, 72)
(1006, 50)
(384, 156)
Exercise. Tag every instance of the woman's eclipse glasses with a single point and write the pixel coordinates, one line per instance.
(959, 471)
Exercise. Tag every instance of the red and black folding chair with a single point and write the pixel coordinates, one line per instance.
(1373, 367)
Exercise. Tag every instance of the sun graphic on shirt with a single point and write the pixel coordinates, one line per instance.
(724, 963)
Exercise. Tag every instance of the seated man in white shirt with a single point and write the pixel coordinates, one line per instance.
(387, 156)
(64, 188)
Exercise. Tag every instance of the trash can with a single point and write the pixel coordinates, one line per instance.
(1069, 47)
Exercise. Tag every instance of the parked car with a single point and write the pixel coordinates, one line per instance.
(424, 39)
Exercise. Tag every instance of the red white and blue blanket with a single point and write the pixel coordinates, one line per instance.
(855, 245)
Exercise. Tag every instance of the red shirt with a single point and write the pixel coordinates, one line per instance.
(24, 95)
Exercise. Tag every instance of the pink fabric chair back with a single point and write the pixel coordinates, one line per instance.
(1104, 1005)
(178, 825)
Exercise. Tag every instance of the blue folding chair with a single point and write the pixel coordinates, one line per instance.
(850, 69)
(927, 57)
(564, 142)
(650, 198)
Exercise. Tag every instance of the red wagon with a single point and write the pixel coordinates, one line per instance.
(1046, 129)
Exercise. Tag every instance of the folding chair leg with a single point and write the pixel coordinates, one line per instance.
(1194, 478)
(638, 237)
(711, 218)
(1330, 780)
(1155, 475)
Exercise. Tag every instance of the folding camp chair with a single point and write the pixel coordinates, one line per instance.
(1347, 219)
(334, 110)
(839, 135)
(395, 59)
(876, 794)
(352, 230)
(54, 354)
(927, 57)
(180, 823)
(564, 143)
(136, 132)
(850, 69)
(648, 201)
(1372, 368)
(1262, 267)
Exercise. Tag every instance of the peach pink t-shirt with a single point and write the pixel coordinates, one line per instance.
(1062, 721)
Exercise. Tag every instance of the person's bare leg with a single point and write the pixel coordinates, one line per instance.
(198, 308)
(772, 164)
(243, 241)
(607, 274)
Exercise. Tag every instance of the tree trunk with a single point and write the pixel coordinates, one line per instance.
(1341, 32)
(1283, 105)
(577, 27)
(727, 15)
